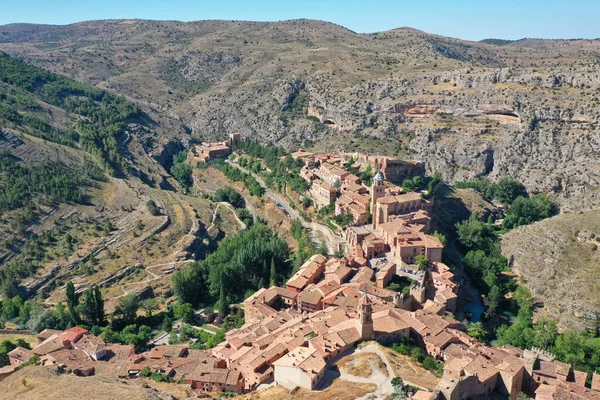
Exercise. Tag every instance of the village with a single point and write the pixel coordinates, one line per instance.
(293, 335)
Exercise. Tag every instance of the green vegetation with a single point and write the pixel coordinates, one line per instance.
(236, 175)
(181, 169)
(203, 340)
(283, 172)
(484, 264)
(229, 195)
(483, 261)
(402, 391)
(236, 266)
(524, 211)
(7, 346)
(505, 191)
(105, 114)
(580, 349)
(45, 183)
(408, 347)
(305, 248)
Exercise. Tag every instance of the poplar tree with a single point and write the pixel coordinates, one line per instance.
(273, 275)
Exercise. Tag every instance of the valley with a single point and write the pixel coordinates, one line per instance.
(260, 197)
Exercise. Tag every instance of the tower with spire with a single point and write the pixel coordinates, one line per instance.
(364, 317)
(377, 191)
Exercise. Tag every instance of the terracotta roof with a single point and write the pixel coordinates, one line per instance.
(49, 345)
(46, 333)
(439, 340)
(168, 351)
(402, 198)
(482, 368)
(20, 353)
(365, 300)
(310, 296)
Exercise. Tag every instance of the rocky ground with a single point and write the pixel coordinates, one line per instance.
(527, 109)
(559, 259)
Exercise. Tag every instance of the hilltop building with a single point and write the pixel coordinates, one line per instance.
(211, 151)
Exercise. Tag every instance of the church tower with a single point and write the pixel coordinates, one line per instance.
(377, 191)
(364, 318)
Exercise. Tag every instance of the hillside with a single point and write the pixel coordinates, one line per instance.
(559, 259)
(75, 184)
(527, 109)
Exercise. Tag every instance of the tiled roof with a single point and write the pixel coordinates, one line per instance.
(20, 353)
(49, 345)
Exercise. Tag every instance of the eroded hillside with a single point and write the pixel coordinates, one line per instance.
(559, 259)
(527, 109)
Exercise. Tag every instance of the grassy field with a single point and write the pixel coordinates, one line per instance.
(31, 339)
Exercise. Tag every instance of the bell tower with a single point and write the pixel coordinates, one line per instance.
(377, 191)
(364, 318)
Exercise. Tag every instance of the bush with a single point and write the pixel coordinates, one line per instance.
(229, 195)
(152, 208)
(417, 354)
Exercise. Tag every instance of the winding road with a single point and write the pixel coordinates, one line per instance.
(332, 240)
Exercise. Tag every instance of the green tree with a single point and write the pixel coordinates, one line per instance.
(223, 303)
(508, 189)
(474, 234)
(149, 306)
(185, 312)
(417, 354)
(477, 331)
(189, 285)
(181, 170)
(6, 347)
(72, 302)
(422, 261)
(127, 308)
(92, 308)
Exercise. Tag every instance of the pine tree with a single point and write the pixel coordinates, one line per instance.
(273, 275)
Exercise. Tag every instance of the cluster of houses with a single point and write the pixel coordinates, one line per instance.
(292, 334)
(80, 352)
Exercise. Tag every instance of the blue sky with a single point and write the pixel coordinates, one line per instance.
(465, 19)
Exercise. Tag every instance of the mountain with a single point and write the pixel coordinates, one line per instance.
(527, 109)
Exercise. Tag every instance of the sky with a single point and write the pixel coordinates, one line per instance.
(465, 19)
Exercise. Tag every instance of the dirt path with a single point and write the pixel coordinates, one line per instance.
(153, 277)
(383, 382)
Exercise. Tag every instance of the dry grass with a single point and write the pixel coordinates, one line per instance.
(339, 389)
(362, 364)
(45, 384)
(559, 259)
(409, 371)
